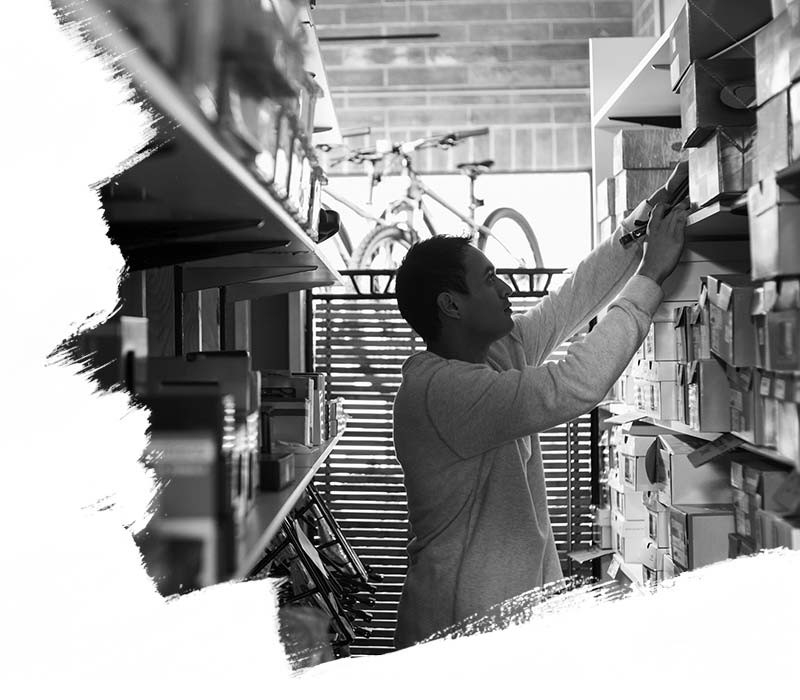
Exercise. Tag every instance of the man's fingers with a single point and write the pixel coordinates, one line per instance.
(658, 212)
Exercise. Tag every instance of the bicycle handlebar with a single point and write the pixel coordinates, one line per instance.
(362, 155)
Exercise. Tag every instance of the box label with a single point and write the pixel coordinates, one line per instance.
(724, 443)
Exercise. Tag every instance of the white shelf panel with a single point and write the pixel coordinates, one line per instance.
(645, 92)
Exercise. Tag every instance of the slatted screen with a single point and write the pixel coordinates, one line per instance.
(361, 344)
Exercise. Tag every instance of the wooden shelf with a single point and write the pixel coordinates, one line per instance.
(191, 178)
(272, 507)
(678, 427)
(645, 94)
(716, 222)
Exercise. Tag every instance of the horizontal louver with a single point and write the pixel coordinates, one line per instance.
(361, 344)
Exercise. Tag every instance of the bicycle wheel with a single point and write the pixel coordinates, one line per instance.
(513, 242)
(383, 248)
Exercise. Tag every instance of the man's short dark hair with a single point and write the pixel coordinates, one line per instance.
(430, 267)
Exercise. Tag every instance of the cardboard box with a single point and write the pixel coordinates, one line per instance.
(657, 399)
(700, 327)
(681, 394)
(661, 344)
(716, 94)
(708, 396)
(276, 470)
(722, 168)
(683, 283)
(646, 149)
(682, 482)
(657, 519)
(705, 27)
(699, 534)
(770, 414)
(794, 116)
(628, 503)
(776, 320)
(682, 334)
(605, 202)
(767, 481)
(773, 146)
(785, 393)
(633, 186)
(747, 404)
(740, 546)
(786, 532)
(765, 535)
(653, 556)
(774, 219)
(629, 538)
(290, 420)
(669, 570)
(633, 459)
(730, 299)
(774, 45)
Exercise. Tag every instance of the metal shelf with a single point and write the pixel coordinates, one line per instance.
(192, 178)
(272, 507)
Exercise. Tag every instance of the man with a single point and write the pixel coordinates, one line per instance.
(468, 410)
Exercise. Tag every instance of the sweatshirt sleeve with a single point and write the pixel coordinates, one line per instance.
(475, 408)
(594, 283)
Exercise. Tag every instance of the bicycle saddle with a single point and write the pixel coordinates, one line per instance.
(475, 169)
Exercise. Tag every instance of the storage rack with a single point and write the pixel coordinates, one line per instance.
(630, 88)
(201, 221)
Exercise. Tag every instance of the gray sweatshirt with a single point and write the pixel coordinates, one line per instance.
(465, 435)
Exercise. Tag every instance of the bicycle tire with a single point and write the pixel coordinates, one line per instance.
(367, 250)
(519, 220)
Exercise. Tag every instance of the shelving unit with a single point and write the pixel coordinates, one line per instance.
(226, 210)
(766, 452)
(272, 508)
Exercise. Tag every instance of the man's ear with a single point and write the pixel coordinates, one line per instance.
(448, 304)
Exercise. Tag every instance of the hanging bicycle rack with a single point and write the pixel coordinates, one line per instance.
(378, 284)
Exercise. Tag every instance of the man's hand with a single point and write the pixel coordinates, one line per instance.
(666, 236)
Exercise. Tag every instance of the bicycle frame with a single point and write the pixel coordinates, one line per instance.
(415, 192)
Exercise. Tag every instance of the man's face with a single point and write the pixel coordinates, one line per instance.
(486, 311)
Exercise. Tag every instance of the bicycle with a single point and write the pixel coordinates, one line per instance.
(395, 230)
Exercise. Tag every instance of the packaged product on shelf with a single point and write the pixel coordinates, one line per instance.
(681, 393)
(629, 538)
(699, 534)
(193, 532)
(786, 532)
(605, 200)
(765, 529)
(786, 395)
(740, 546)
(682, 284)
(606, 227)
(116, 351)
(703, 29)
(708, 396)
(682, 334)
(319, 380)
(776, 318)
(682, 482)
(657, 519)
(290, 420)
(633, 186)
(661, 344)
(767, 481)
(732, 335)
(774, 44)
(746, 404)
(769, 428)
(633, 451)
(722, 168)
(628, 503)
(283, 384)
(716, 93)
(700, 329)
(655, 389)
(668, 571)
(283, 154)
(773, 145)
(310, 91)
(276, 470)
(745, 507)
(645, 149)
(794, 116)
(653, 557)
(774, 219)
(298, 169)
(318, 180)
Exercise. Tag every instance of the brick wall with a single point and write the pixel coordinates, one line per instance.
(644, 17)
(518, 66)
